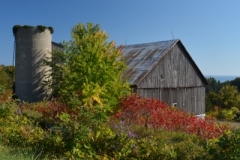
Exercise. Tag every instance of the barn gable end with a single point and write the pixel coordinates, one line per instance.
(166, 71)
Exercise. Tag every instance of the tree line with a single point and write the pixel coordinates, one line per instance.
(223, 95)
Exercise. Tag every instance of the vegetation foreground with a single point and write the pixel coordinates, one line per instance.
(141, 129)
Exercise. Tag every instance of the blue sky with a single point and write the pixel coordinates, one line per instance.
(210, 30)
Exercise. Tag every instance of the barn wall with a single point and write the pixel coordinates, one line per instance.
(176, 70)
(191, 99)
(175, 80)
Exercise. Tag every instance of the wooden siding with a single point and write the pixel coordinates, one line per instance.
(176, 70)
(190, 99)
(175, 80)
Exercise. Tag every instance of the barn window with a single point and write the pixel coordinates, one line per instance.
(174, 104)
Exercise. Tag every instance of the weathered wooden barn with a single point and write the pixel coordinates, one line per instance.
(166, 71)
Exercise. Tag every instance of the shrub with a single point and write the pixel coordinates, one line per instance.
(212, 115)
(32, 115)
(22, 130)
(159, 143)
(226, 147)
(154, 113)
(5, 95)
(226, 114)
(80, 134)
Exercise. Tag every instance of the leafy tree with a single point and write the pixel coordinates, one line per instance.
(7, 76)
(4, 78)
(10, 70)
(228, 97)
(55, 75)
(235, 82)
(217, 94)
(211, 101)
(87, 70)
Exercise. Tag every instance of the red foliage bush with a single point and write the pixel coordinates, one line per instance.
(5, 96)
(157, 114)
(50, 110)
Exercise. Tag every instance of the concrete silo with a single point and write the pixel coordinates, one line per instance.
(32, 44)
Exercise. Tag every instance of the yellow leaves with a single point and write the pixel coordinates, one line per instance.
(119, 49)
(92, 95)
(97, 100)
(58, 140)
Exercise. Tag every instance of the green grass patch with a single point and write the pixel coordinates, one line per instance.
(9, 153)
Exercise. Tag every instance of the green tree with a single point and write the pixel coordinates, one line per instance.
(213, 85)
(228, 97)
(4, 78)
(236, 82)
(88, 69)
(211, 101)
(7, 76)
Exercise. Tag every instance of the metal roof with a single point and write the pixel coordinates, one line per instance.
(141, 58)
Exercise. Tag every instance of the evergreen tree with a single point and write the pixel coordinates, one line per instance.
(236, 82)
(213, 85)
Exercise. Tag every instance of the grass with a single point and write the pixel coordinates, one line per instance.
(13, 153)
(8, 153)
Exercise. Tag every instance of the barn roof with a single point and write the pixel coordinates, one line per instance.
(57, 46)
(141, 59)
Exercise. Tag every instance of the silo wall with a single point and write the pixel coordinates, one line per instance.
(32, 46)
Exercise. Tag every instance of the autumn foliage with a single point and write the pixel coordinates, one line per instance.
(157, 114)
(5, 96)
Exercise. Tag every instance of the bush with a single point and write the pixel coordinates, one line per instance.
(212, 115)
(73, 139)
(105, 143)
(224, 114)
(156, 114)
(226, 147)
(77, 133)
(5, 95)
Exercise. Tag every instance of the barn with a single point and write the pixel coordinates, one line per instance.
(166, 71)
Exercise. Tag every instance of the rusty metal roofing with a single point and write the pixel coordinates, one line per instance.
(141, 58)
